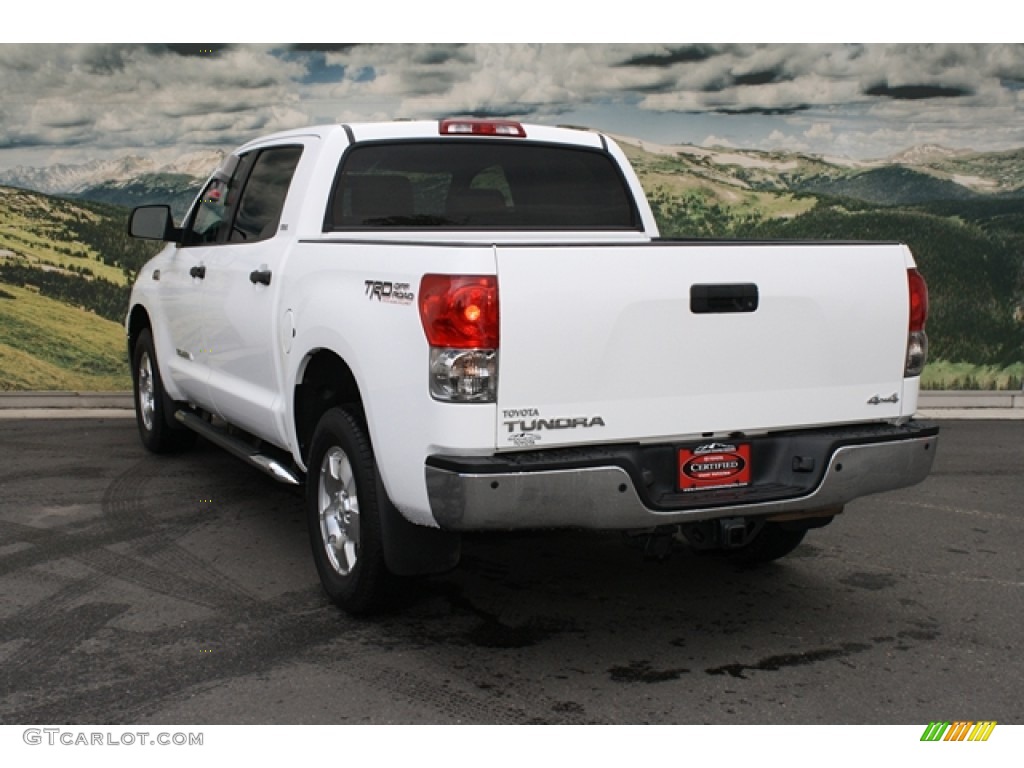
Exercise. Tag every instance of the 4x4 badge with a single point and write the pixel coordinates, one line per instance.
(876, 400)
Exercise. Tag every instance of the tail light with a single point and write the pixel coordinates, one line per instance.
(460, 319)
(917, 339)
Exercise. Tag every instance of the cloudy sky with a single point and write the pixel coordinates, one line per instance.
(77, 102)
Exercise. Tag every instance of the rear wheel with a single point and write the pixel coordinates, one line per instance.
(344, 500)
(153, 408)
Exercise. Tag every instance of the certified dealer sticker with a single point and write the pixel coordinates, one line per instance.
(714, 466)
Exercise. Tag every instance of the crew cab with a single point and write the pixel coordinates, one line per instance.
(463, 325)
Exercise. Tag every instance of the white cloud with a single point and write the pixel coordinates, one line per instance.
(819, 132)
(779, 140)
(113, 98)
(717, 141)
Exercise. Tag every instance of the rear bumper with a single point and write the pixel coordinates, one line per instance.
(615, 487)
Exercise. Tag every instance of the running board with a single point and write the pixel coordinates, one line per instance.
(239, 448)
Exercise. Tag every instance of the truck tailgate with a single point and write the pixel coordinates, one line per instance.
(665, 340)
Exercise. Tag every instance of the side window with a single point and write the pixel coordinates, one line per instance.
(259, 209)
(209, 221)
(211, 214)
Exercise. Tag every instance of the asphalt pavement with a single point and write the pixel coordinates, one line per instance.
(146, 589)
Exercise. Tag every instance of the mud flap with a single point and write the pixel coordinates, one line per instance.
(415, 550)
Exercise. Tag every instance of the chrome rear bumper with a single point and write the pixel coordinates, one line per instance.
(606, 497)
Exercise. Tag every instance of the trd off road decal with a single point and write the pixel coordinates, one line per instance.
(388, 292)
(718, 465)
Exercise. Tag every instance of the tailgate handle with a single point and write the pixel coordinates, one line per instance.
(712, 298)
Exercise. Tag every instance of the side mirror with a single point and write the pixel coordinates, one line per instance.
(153, 222)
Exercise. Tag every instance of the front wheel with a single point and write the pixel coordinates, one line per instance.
(152, 405)
(344, 499)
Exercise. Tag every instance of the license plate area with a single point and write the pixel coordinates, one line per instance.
(712, 466)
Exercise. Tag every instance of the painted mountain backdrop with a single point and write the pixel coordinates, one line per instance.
(129, 181)
(65, 263)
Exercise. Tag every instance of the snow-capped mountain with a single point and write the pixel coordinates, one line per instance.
(73, 179)
(926, 154)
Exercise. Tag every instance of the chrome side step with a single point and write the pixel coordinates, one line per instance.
(239, 448)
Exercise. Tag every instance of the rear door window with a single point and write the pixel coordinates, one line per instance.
(262, 201)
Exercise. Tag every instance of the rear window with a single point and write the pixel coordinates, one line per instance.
(479, 185)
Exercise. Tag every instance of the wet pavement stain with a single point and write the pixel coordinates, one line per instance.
(642, 672)
(568, 707)
(775, 663)
(872, 581)
(919, 634)
(491, 633)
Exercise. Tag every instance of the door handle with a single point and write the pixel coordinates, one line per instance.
(198, 271)
(260, 276)
(724, 298)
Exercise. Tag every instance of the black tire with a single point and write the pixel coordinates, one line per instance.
(153, 408)
(770, 543)
(344, 502)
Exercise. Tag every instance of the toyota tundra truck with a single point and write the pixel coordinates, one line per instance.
(459, 325)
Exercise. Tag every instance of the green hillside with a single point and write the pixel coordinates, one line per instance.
(50, 233)
(65, 269)
(71, 250)
(694, 197)
(1003, 170)
(48, 345)
(891, 185)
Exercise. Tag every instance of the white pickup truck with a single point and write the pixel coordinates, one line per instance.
(466, 325)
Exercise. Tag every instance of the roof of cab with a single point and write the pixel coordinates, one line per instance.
(430, 129)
